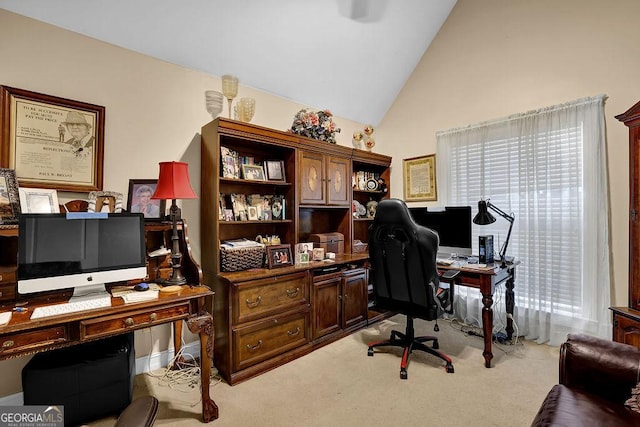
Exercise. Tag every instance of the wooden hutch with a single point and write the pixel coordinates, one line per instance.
(626, 320)
(267, 317)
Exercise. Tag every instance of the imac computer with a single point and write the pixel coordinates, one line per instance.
(453, 225)
(79, 250)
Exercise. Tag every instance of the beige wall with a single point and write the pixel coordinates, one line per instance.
(154, 112)
(493, 58)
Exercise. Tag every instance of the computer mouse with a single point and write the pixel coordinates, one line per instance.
(141, 287)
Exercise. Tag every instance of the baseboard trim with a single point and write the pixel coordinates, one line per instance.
(144, 364)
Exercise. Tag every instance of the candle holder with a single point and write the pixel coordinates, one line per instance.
(229, 88)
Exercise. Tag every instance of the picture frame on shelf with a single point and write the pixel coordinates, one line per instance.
(279, 256)
(230, 165)
(419, 179)
(275, 170)
(39, 200)
(139, 199)
(53, 142)
(253, 173)
(9, 197)
(105, 201)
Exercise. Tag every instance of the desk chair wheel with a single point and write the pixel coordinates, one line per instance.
(403, 374)
(370, 352)
(435, 345)
(449, 368)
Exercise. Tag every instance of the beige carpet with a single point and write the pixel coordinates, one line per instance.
(339, 385)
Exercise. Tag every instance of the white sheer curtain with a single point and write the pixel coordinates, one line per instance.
(548, 167)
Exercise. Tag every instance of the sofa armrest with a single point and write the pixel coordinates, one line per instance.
(602, 367)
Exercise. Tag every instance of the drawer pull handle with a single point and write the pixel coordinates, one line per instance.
(254, 347)
(294, 333)
(253, 304)
(292, 294)
(153, 317)
(128, 321)
(7, 344)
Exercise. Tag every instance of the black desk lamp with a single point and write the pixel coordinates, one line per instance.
(173, 183)
(484, 217)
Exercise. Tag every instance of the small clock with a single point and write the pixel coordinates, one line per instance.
(372, 185)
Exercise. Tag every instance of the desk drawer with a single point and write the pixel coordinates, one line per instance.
(33, 340)
(267, 339)
(135, 319)
(259, 298)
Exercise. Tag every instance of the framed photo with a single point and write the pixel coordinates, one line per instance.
(230, 167)
(279, 256)
(51, 142)
(253, 172)
(419, 179)
(9, 197)
(39, 200)
(105, 201)
(275, 170)
(139, 199)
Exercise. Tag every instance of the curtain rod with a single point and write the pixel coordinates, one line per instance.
(575, 103)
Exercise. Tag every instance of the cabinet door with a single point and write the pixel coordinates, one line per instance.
(354, 297)
(626, 330)
(338, 181)
(326, 305)
(312, 178)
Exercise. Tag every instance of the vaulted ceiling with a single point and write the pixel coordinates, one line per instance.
(351, 56)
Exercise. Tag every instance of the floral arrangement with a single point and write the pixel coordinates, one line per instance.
(317, 125)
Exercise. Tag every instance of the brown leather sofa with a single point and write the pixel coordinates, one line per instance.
(596, 378)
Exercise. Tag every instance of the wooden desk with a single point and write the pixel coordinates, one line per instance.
(23, 336)
(486, 279)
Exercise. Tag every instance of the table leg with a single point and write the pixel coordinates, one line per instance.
(203, 325)
(487, 328)
(177, 343)
(510, 302)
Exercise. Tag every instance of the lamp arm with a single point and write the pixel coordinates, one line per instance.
(500, 212)
(511, 218)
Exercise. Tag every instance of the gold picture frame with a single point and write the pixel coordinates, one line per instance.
(51, 142)
(419, 179)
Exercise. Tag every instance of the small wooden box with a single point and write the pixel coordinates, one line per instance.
(330, 242)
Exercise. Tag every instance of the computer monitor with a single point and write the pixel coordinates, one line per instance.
(453, 225)
(79, 250)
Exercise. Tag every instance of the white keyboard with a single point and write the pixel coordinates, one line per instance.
(81, 304)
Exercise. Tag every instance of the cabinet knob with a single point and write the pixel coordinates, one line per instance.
(153, 317)
(7, 344)
(129, 321)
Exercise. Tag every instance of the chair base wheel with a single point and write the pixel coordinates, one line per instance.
(403, 374)
(449, 368)
(370, 351)
(435, 345)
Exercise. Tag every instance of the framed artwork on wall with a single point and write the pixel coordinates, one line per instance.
(419, 179)
(51, 142)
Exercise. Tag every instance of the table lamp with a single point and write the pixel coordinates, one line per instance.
(173, 183)
(484, 217)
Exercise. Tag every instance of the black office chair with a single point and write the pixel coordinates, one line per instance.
(405, 277)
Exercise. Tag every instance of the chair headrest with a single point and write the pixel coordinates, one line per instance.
(393, 212)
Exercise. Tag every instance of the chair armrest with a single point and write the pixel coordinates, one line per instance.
(606, 368)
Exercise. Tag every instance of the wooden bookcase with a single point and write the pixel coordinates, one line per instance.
(264, 318)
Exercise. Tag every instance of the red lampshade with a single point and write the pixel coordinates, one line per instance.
(173, 182)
